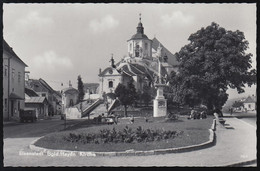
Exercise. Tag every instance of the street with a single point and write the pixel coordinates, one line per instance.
(249, 117)
(36, 129)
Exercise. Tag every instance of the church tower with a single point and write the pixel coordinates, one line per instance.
(139, 46)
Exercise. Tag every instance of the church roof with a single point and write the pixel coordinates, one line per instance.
(65, 90)
(172, 60)
(139, 36)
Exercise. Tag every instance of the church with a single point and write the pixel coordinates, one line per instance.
(140, 64)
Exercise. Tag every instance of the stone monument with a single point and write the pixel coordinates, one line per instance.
(159, 103)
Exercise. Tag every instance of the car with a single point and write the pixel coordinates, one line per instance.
(28, 114)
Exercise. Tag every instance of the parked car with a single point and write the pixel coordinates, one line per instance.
(28, 114)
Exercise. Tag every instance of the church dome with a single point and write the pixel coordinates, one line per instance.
(139, 32)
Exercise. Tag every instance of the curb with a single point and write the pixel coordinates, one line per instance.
(240, 164)
(51, 152)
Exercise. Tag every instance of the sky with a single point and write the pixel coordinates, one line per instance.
(58, 42)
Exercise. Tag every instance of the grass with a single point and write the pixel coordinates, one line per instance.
(194, 132)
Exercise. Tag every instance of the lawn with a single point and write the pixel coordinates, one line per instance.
(193, 132)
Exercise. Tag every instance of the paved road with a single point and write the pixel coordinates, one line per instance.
(36, 129)
(249, 117)
(233, 145)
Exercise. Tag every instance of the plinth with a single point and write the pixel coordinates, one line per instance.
(159, 103)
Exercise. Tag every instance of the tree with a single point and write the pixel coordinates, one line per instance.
(126, 95)
(214, 60)
(237, 104)
(146, 96)
(80, 89)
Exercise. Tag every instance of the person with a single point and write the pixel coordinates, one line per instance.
(132, 119)
(231, 111)
(203, 114)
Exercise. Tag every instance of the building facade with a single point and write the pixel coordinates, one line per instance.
(69, 97)
(13, 83)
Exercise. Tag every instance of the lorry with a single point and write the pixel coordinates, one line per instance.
(28, 114)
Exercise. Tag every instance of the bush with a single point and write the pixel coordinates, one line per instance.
(125, 136)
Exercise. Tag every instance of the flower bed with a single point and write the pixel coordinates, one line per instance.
(155, 134)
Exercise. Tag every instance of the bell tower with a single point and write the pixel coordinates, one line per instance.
(140, 46)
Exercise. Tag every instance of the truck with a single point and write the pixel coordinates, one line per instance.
(28, 114)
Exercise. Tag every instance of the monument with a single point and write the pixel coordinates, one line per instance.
(159, 103)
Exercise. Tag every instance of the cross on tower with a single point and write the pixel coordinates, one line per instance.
(140, 17)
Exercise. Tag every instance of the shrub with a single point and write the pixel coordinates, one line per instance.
(125, 136)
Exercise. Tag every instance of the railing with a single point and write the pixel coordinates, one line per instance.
(91, 107)
(113, 105)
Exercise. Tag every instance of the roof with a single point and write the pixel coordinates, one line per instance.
(139, 36)
(8, 49)
(250, 99)
(172, 60)
(36, 100)
(105, 70)
(69, 89)
(30, 92)
(15, 96)
(44, 83)
(90, 86)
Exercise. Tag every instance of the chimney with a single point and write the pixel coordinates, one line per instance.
(70, 85)
(99, 70)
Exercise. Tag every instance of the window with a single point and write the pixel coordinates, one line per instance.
(43, 95)
(130, 47)
(71, 102)
(18, 105)
(137, 51)
(110, 84)
(6, 70)
(13, 70)
(5, 104)
(146, 46)
(249, 106)
(19, 77)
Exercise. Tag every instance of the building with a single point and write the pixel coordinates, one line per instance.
(40, 104)
(141, 64)
(250, 103)
(91, 91)
(43, 89)
(69, 97)
(13, 83)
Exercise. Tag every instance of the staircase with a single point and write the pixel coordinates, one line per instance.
(90, 108)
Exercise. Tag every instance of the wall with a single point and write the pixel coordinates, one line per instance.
(15, 86)
(42, 109)
(104, 81)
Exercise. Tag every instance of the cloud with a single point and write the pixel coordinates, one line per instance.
(107, 22)
(50, 62)
(33, 20)
(176, 18)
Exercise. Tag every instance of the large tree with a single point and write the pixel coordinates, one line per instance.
(213, 61)
(80, 89)
(126, 95)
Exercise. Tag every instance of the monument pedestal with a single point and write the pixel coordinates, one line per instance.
(159, 103)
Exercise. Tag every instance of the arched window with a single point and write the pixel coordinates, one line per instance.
(71, 102)
(110, 84)
(137, 51)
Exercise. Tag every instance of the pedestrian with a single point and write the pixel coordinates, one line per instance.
(132, 119)
(231, 111)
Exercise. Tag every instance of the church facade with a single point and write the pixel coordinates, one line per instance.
(141, 64)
